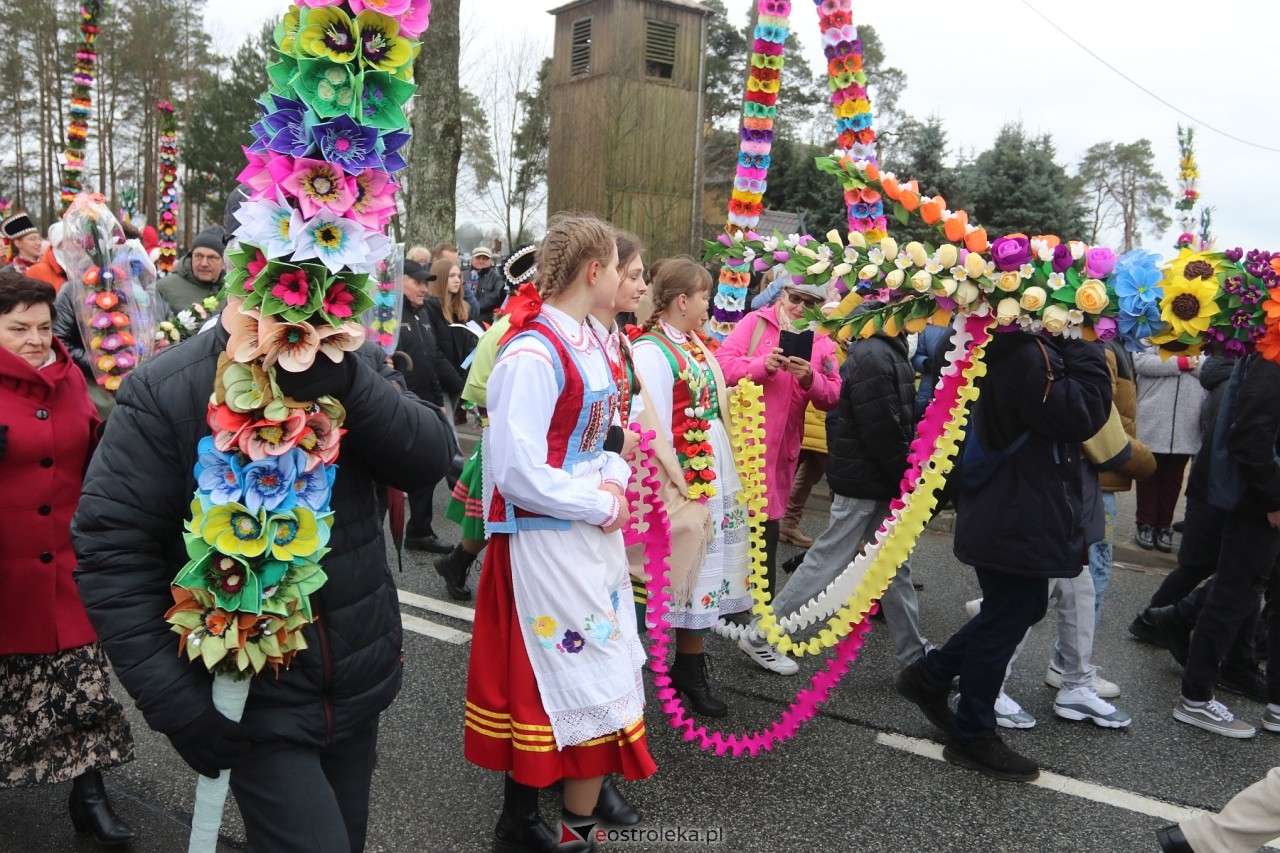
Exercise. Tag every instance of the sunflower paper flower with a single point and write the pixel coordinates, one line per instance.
(381, 46)
(298, 533)
(1188, 305)
(327, 33)
(319, 185)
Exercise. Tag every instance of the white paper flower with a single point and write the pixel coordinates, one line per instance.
(337, 241)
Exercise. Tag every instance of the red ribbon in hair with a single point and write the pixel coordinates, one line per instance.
(633, 331)
(522, 308)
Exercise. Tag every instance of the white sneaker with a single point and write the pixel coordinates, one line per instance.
(1105, 689)
(1083, 703)
(769, 657)
(972, 608)
(1009, 714)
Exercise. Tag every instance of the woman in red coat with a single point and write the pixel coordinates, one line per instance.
(58, 720)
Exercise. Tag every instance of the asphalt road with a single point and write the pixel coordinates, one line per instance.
(854, 778)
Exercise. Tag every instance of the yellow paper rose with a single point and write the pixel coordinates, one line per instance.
(915, 251)
(921, 281)
(966, 293)
(1009, 281)
(1033, 298)
(1091, 296)
(869, 272)
(1055, 319)
(894, 279)
(856, 240)
(1007, 311)
(890, 247)
(945, 286)
(974, 265)
(947, 255)
(833, 236)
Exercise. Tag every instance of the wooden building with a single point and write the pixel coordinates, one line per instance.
(626, 117)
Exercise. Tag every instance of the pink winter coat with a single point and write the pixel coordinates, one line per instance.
(784, 399)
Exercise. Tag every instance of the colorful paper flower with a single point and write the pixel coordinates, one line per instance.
(218, 473)
(335, 240)
(319, 185)
(293, 345)
(374, 203)
(382, 100)
(344, 143)
(268, 482)
(381, 46)
(232, 529)
(264, 438)
(298, 533)
(327, 33)
(268, 223)
(1188, 305)
(311, 489)
(329, 88)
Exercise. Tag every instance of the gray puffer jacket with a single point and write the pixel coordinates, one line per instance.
(1169, 400)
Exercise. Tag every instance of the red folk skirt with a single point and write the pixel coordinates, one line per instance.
(506, 726)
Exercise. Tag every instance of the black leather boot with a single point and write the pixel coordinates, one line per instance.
(574, 821)
(612, 808)
(91, 812)
(689, 676)
(453, 568)
(520, 828)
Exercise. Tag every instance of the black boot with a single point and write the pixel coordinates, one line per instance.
(91, 812)
(689, 676)
(453, 568)
(520, 828)
(584, 826)
(612, 808)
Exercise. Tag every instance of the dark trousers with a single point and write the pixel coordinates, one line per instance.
(771, 532)
(1197, 555)
(307, 799)
(419, 524)
(1158, 495)
(981, 650)
(1246, 568)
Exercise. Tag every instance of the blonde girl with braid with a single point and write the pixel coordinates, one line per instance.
(688, 391)
(554, 690)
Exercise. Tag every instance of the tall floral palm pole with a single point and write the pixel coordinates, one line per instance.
(319, 180)
(168, 159)
(746, 202)
(81, 102)
(1189, 197)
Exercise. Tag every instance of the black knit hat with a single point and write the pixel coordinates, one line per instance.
(18, 225)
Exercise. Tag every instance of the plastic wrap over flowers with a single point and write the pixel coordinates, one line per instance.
(113, 283)
(320, 191)
(382, 321)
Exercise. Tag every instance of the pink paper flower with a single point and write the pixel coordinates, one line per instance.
(292, 288)
(416, 20)
(338, 299)
(273, 438)
(392, 8)
(374, 202)
(319, 185)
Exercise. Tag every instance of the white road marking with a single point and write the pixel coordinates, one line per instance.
(435, 605)
(1065, 785)
(434, 629)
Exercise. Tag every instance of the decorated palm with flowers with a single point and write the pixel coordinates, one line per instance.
(167, 226)
(382, 321)
(1215, 302)
(320, 191)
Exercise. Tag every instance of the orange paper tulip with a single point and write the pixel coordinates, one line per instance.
(953, 229)
(931, 210)
(873, 171)
(890, 187)
(976, 241)
(909, 199)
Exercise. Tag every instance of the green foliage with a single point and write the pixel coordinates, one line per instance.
(224, 111)
(1125, 190)
(1015, 186)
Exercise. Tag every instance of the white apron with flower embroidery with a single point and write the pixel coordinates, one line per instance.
(571, 585)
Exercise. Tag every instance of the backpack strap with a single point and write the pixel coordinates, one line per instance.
(756, 334)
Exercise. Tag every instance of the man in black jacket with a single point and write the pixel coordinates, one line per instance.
(868, 437)
(1025, 524)
(304, 750)
(1250, 546)
(487, 282)
(426, 374)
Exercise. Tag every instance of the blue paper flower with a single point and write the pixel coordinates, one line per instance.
(311, 488)
(268, 482)
(344, 143)
(218, 473)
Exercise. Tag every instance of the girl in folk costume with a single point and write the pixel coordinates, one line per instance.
(554, 688)
(689, 394)
(22, 243)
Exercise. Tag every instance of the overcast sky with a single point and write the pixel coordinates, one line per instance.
(980, 64)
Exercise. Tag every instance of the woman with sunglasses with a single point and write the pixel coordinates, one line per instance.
(754, 351)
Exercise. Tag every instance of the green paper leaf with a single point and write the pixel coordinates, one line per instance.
(901, 214)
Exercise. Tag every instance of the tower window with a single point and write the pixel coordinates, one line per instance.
(580, 52)
(659, 49)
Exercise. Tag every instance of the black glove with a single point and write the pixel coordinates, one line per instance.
(4, 439)
(322, 378)
(211, 743)
(615, 439)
